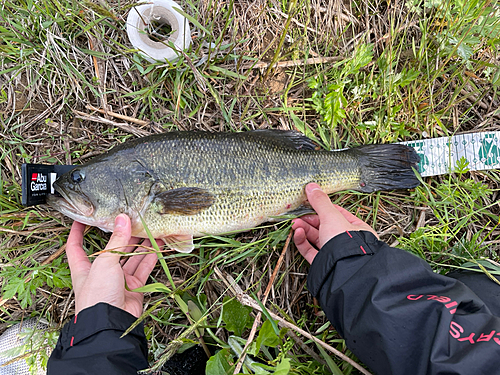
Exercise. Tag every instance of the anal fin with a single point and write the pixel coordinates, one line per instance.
(183, 243)
(298, 212)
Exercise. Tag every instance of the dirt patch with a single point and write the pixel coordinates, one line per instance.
(20, 98)
(276, 83)
(270, 41)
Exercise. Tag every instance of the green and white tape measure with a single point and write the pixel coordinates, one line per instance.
(440, 155)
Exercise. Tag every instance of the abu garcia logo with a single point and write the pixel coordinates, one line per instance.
(38, 182)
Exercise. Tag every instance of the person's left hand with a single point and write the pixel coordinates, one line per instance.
(104, 279)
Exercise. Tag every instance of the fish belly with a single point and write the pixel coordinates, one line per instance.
(235, 211)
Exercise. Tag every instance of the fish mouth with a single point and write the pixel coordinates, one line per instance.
(76, 207)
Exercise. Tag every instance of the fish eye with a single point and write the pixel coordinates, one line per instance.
(77, 176)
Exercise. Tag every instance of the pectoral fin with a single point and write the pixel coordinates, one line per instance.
(182, 243)
(183, 201)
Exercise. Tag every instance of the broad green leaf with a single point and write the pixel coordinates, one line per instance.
(195, 313)
(283, 367)
(252, 349)
(183, 305)
(236, 344)
(494, 269)
(235, 315)
(362, 56)
(267, 315)
(267, 336)
(258, 370)
(495, 80)
(324, 327)
(15, 285)
(218, 364)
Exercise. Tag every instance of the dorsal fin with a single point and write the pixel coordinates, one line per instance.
(289, 138)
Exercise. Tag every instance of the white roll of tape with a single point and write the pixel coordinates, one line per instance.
(139, 24)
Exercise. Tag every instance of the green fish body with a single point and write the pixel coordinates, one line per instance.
(189, 184)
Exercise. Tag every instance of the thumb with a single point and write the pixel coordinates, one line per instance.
(321, 203)
(118, 241)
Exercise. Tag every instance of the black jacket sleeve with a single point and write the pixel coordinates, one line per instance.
(90, 344)
(397, 315)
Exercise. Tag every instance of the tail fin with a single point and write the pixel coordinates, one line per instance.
(387, 167)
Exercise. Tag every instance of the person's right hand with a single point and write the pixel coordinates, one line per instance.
(313, 231)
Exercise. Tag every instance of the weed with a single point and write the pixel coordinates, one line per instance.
(23, 281)
(461, 207)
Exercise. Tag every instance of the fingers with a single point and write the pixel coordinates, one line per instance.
(311, 220)
(78, 262)
(132, 262)
(145, 267)
(307, 250)
(128, 249)
(139, 267)
(348, 216)
(119, 240)
(321, 203)
(133, 241)
(311, 232)
(121, 236)
(332, 219)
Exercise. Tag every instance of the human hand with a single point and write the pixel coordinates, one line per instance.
(104, 279)
(313, 231)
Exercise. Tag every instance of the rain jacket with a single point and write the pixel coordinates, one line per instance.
(90, 344)
(399, 317)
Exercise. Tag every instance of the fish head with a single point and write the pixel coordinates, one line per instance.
(97, 192)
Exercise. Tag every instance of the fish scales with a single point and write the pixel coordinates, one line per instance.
(250, 179)
(187, 184)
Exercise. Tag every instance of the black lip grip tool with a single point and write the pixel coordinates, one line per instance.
(37, 181)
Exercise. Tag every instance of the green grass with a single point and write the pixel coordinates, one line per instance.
(404, 72)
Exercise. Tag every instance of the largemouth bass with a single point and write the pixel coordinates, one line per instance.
(189, 184)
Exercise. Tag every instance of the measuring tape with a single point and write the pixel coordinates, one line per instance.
(440, 155)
